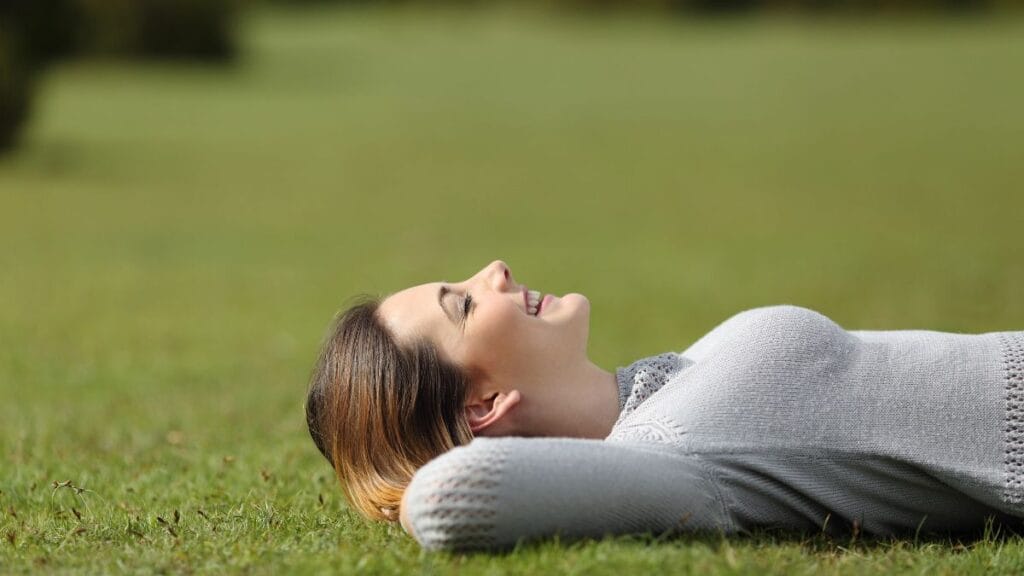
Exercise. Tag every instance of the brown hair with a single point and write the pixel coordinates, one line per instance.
(378, 410)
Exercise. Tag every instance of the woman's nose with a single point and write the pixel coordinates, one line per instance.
(499, 275)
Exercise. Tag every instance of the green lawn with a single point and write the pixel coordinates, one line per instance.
(175, 239)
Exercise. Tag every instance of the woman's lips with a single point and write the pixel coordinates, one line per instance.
(544, 303)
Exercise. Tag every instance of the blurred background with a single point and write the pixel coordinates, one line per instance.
(190, 189)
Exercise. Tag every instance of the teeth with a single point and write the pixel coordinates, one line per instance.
(533, 302)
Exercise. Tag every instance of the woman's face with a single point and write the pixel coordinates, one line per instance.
(498, 338)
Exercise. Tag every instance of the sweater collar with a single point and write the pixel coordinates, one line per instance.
(641, 379)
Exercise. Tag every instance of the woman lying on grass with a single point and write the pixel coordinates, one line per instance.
(471, 412)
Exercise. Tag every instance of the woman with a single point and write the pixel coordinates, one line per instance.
(425, 404)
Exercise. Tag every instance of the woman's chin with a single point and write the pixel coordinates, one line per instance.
(577, 301)
(560, 309)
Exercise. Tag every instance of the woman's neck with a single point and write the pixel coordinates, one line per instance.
(584, 403)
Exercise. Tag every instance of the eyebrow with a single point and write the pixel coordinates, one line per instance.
(441, 293)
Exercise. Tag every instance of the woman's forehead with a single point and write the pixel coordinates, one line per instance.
(413, 312)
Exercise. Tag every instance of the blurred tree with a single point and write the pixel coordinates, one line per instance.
(108, 26)
(15, 84)
(196, 29)
(878, 5)
(34, 33)
(190, 28)
(47, 28)
(723, 6)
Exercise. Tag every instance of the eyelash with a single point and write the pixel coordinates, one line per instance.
(466, 303)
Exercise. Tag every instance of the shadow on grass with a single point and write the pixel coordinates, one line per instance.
(837, 540)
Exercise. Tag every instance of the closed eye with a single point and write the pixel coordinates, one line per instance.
(467, 303)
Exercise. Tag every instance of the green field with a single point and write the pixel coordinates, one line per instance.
(174, 240)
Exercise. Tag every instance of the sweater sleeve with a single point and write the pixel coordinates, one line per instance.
(494, 492)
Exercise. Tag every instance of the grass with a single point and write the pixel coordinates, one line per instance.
(174, 240)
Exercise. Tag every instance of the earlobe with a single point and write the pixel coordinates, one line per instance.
(489, 413)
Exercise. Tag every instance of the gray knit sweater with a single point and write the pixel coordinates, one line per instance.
(776, 418)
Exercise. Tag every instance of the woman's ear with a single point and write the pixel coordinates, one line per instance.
(403, 513)
(490, 413)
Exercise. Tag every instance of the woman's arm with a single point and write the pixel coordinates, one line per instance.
(494, 492)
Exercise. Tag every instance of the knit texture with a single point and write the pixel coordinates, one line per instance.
(1013, 364)
(777, 417)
